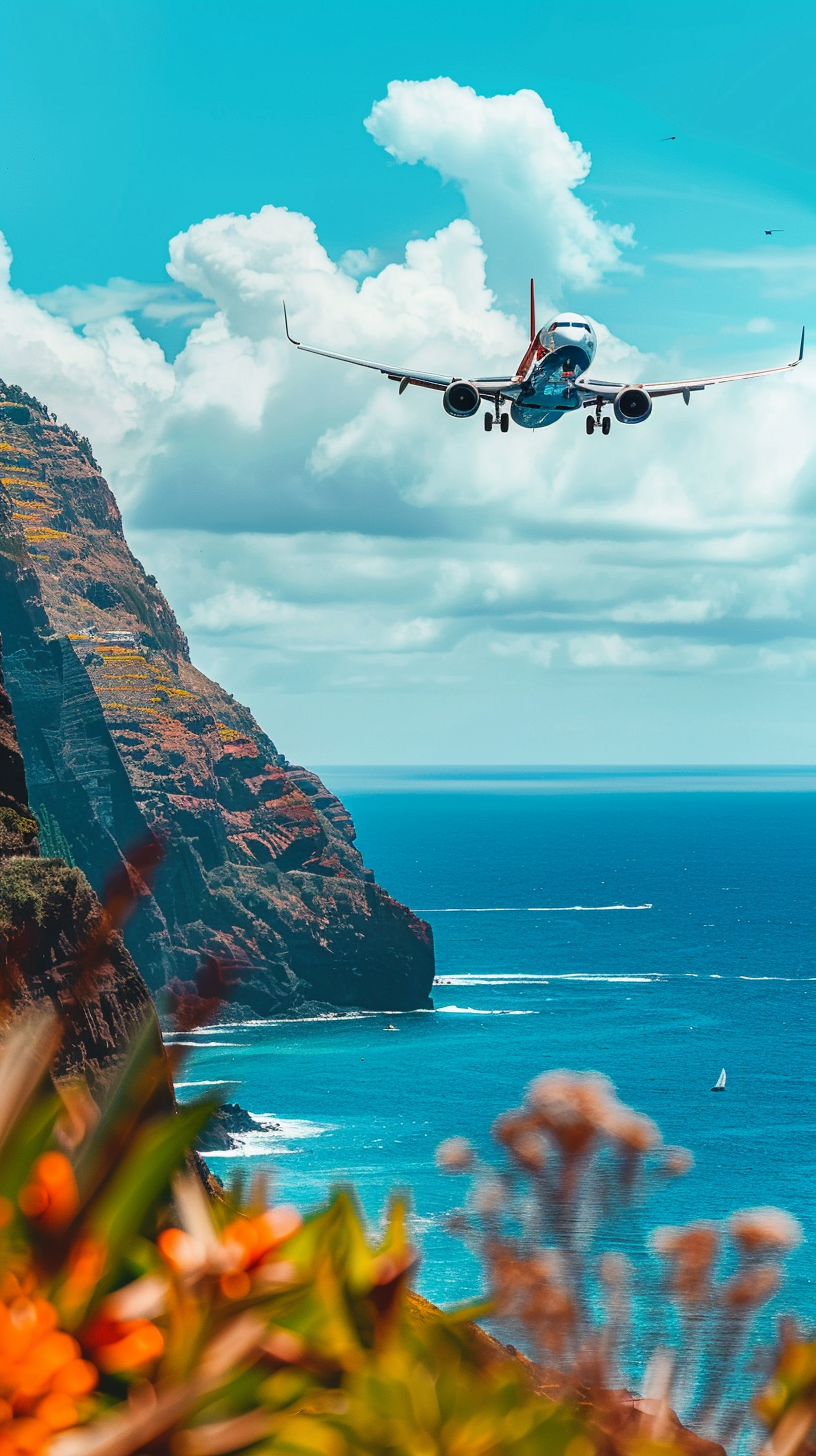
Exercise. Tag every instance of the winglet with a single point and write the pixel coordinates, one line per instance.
(296, 342)
(801, 346)
(532, 310)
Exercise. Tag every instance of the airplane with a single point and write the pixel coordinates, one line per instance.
(548, 382)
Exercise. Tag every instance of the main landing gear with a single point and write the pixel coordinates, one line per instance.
(605, 424)
(503, 422)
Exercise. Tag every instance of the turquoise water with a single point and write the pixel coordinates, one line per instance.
(654, 926)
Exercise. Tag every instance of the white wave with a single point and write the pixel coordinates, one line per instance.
(204, 1030)
(497, 980)
(581, 976)
(523, 909)
(206, 1082)
(272, 1137)
(477, 1011)
(176, 1042)
(540, 980)
(291, 1127)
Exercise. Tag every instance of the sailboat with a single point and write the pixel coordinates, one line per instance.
(719, 1085)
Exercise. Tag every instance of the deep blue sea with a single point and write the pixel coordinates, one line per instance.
(653, 925)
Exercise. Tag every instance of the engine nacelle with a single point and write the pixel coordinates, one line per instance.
(461, 399)
(633, 405)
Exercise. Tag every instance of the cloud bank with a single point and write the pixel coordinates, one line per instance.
(303, 512)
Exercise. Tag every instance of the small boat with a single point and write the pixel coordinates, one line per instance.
(390, 1027)
(719, 1085)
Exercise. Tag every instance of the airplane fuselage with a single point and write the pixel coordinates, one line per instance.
(558, 355)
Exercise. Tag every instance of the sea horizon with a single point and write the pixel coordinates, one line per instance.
(345, 779)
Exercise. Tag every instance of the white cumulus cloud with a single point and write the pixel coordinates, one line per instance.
(518, 172)
(302, 513)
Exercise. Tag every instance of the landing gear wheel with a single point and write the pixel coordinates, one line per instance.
(488, 423)
(590, 425)
(606, 425)
(505, 424)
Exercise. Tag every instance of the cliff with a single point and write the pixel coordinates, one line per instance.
(124, 740)
(53, 945)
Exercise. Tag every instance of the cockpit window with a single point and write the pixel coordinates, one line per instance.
(568, 324)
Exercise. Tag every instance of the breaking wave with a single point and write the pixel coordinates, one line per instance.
(272, 1137)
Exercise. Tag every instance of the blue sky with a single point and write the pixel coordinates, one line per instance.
(467, 634)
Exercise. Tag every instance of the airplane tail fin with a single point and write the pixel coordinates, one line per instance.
(532, 310)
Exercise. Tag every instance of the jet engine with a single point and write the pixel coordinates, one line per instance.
(633, 405)
(461, 399)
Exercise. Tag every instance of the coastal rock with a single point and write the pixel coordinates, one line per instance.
(125, 741)
(49, 918)
(227, 1125)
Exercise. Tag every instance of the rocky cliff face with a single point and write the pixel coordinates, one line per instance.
(124, 739)
(50, 919)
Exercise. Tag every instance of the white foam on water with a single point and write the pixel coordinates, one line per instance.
(523, 909)
(497, 980)
(588, 976)
(205, 1030)
(524, 980)
(207, 1082)
(272, 1136)
(477, 1011)
(175, 1042)
(543, 980)
(293, 1127)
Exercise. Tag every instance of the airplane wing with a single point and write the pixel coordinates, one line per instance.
(606, 389)
(488, 388)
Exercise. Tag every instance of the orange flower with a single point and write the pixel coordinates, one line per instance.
(251, 1239)
(41, 1372)
(181, 1251)
(126, 1345)
(51, 1195)
(244, 1245)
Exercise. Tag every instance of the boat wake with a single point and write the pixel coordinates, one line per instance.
(524, 909)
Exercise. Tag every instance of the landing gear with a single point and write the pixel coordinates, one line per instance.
(488, 423)
(595, 422)
(505, 424)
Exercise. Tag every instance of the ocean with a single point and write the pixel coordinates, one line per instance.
(652, 925)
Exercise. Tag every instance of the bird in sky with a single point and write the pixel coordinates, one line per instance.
(668, 139)
(769, 231)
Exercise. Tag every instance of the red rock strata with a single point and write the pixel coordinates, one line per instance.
(124, 738)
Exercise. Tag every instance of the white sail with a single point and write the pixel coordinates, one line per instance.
(720, 1082)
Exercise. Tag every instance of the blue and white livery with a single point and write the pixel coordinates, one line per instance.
(549, 382)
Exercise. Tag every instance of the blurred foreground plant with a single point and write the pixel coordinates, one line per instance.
(543, 1225)
(140, 1313)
